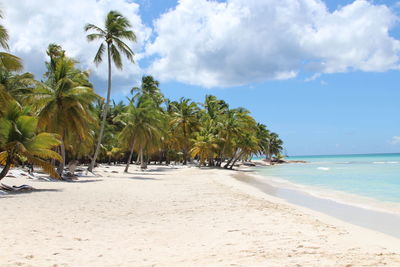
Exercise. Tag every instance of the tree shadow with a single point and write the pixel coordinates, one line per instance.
(143, 178)
(144, 173)
(82, 181)
(23, 192)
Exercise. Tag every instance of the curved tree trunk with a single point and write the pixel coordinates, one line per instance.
(230, 160)
(129, 159)
(103, 122)
(6, 168)
(235, 160)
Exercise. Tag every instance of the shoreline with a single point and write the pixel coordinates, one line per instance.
(341, 197)
(374, 215)
(175, 216)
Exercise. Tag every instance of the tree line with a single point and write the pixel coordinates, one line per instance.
(60, 118)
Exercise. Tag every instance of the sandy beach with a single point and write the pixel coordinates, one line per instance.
(175, 217)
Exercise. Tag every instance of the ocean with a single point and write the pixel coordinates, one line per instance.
(375, 176)
(360, 189)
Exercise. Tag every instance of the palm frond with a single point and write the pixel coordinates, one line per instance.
(46, 154)
(4, 37)
(46, 166)
(116, 57)
(92, 27)
(125, 49)
(10, 62)
(95, 36)
(3, 158)
(99, 55)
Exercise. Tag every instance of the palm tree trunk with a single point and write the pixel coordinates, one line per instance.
(184, 156)
(230, 160)
(137, 159)
(6, 168)
(142, 163)
(234, 161)
(61, 166)
(129, 159)
(103, 122)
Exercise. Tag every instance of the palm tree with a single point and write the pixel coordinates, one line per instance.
(264, 136)
(64, 104)
(143, 128)
(116, 29)
(18, 139)
(149, 87)
(185, 120)
(204, 146)
(275, 145)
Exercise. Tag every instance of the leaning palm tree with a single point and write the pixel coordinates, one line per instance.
(116, 29)
(18, 139)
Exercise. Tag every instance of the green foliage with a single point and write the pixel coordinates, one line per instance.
(116, 29)
(18, 139)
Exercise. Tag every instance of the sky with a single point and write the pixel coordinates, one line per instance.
(324, 75)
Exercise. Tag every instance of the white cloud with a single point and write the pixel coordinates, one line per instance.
(34, 24)
(395, 140)
(212, 44)
(313, 77)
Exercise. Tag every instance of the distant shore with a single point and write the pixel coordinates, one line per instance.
(175, 216)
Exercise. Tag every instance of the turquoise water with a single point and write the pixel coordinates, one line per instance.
(375, 176)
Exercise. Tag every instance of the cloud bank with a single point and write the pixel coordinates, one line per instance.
(215, 44)
(237, 42)
(32, 25)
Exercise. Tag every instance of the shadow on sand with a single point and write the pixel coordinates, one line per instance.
(23, 192)
(143, 178)
(82, 181)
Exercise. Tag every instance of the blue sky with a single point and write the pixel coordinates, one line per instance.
(356, 112)
(330, 105)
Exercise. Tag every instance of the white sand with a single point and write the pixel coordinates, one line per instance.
(180, 217)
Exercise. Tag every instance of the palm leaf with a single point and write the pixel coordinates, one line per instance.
(46, 166)
(116, 56)
(10, 62)
(3, 158)
(99, 55)
(4, 37)
(93, 27)
(46, 154)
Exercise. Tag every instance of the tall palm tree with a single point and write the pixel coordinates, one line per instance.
(64, 104)
(18, 139)
(116, 29)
